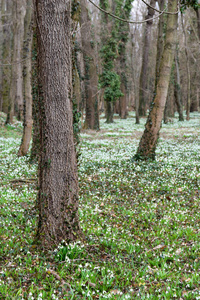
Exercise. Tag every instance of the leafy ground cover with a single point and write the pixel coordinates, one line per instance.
(141, 220)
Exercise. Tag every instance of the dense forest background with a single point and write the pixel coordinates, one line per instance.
(114, 62)
(99, 149)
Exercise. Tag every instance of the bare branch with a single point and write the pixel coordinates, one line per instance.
(131, 22)
(166, 12)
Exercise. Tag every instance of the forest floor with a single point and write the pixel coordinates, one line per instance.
(141, 220)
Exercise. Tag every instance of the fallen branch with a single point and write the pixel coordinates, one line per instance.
(31, 180)
(63, 282)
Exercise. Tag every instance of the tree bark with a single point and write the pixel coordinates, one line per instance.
(177, 88)
(148, 142)
(160, 41)
(1, 54)
(58, 180)
(34, 157)
(123, 101)
(109, 111)
(198, 21)
(169, 106)
(145, 60)
(6, 53)
(188, 103)
(28, 37)
(91, 77)
(16, 89)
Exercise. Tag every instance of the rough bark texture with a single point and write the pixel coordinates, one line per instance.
(16, 89)
(91, 77)
(6, 53)
(145, 60)
(177, 88)
(147, 145)
(58, 180)
(34, 157)
(28, 37)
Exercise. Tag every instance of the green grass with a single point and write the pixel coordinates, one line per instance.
(141, 220)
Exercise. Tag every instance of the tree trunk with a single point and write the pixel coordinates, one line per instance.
(109, 111)
(16, 89)
(91, 77)
(160, 40)
(123, 102)
(133, 73)
(28, 37)
(1, 54)
(169, 106)
(177, 88)
(58, 179)
(188, 103)
(198, 21)
(147, 145)
(145, 60)
(6, 53)
(34, 157)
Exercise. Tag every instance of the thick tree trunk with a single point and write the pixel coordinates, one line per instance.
(6, 53)
(16, 88)
(28, 37)
(145, 60)
(91, 77)
(147, 145)
(177, 88)
(58, 180)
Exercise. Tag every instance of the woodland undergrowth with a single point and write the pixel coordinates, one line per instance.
(141, 220)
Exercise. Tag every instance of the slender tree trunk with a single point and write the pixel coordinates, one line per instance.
(58, 180)
(109, 111)
(145, 60)
(6, 53)
(16, 89)
(177, 88)
(147, 145)
(160, 40)
(28, 37)
(198, 21)
(123, 102)
(169, 106)
(91, 77)
(188, 72)
(1, 55)
(133, 72)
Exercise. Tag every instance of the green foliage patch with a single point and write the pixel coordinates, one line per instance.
(140, 220)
